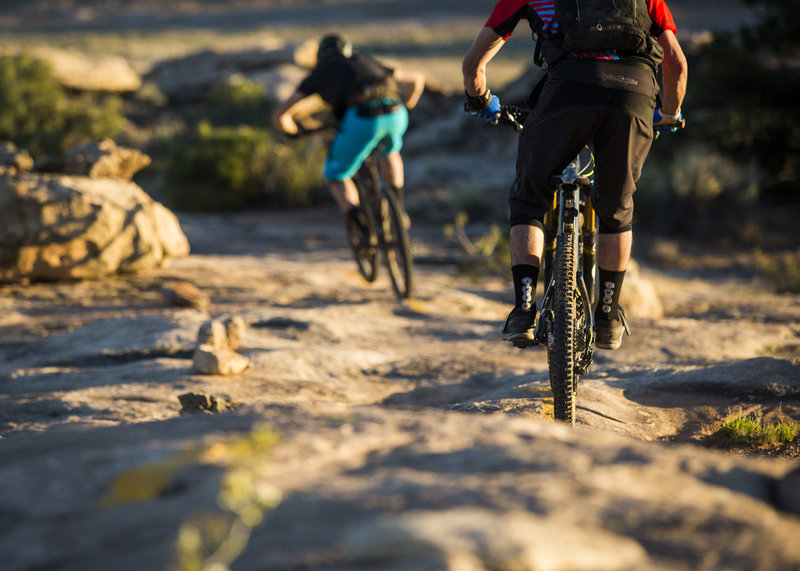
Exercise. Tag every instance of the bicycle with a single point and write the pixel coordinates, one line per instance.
(386, 231)
(384, 227)
(565, 324)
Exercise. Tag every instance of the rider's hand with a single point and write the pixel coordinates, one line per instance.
(492, 113)
(661, 118)
(486, 106)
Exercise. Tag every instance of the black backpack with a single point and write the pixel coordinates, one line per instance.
(598, 25)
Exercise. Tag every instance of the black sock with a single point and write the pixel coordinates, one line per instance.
(356, 216)
(397, 191)
(610, 286)
(524, 277)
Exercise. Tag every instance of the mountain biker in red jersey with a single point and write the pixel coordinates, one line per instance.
(602, 97)
(371, 110)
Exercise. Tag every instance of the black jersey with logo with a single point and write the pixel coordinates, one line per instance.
(343, 82)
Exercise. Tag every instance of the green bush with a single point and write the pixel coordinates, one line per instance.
(37, 114)
(238, 101)
(742, 95)
(782, 271)
(698, 191)
(90, 117)
(751, 431)
(230, 168)
(32, 104)
(750, 108)
(489, 253)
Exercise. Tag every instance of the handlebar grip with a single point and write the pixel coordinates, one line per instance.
(669, 128)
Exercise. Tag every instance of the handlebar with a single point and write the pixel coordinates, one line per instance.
(513, 115)
(669, 128)
(516, 116)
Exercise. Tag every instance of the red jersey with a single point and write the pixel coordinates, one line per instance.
(541, 16)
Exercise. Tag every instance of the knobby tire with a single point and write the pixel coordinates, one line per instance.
(396, 246)
(561, 355)
(365, 254)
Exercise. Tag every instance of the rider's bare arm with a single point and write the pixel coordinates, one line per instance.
(473, 68)
(283, 117)
(415, 82)
(674, 71)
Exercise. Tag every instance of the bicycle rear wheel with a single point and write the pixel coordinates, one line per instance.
(396, 246)
(561, 351)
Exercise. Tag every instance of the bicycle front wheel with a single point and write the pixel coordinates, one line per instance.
(396, 246)
(362, 236)
(561, 349)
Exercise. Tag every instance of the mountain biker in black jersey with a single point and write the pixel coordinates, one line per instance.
(370, 101)
(603, 97)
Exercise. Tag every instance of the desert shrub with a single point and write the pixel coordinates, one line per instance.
(751, 431)
(743, 91)
(749, 108)
(213, 540)
(230, 168)
(489, 252)
(236, 101)
(32, 104)
(37, 114)
(782, 271)
(697, 190)
(90, 117)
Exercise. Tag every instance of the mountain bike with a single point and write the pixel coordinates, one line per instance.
(565, 324)
(385, 230)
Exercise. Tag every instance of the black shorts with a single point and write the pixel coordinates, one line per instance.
(607, 105)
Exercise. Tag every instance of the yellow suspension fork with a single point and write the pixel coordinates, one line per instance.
(589, 237)
(550, 231)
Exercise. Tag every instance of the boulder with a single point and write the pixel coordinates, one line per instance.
(638, 295)
(180, 293)
(209, 360)
(189, 78)
(225, 333)
(104, 159)
(13, 160)
(195, 402)
(61, 227)
(84, 72)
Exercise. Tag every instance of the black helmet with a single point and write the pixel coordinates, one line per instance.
(334, 45)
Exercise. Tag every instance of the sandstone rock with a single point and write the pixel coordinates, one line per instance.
(104, 159)
(68, 227)
(13, 160)
(279, 81)
(222, 334)
(85, 72)
(234, 329)
(787, 492)
(638, 295)
(477, 539)
(189, 78)
(184, 294)
(213, 333)
(193, 402)
(208, 360)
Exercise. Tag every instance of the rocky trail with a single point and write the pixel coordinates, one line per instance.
(408, 435)
(367, 433)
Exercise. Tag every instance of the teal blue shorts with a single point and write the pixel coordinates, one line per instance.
(358, 136)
